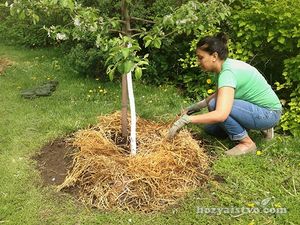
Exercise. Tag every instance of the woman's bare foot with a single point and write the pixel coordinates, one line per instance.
(245, 143)
(245, 146)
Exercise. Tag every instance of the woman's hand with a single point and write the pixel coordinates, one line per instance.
(195, 108)
(178, 125)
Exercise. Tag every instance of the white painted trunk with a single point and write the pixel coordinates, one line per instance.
(132, 114)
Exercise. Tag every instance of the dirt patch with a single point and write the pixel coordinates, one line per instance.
(54, 161)
(4, 63)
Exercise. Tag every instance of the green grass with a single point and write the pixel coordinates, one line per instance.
(26, 125)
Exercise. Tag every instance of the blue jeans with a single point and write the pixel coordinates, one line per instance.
(244, 115)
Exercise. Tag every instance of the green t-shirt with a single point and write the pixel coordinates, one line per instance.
(249, 84)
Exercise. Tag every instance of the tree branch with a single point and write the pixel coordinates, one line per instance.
(117, 31)
(136, 34)
(142, 20)
(135, 30)
(169, 34)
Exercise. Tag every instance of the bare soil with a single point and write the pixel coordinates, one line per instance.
(54, 161)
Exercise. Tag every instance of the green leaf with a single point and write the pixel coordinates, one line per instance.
(281, 40)
(111, 71)
(288, 14)
(201, 27)
(257, 43)
(114, 24)
(68, 4)
(111, 74)
(241, 24)
(239, 50)
(168, 20)
(148, 43)
(138, 73)
(22, 15)
(270, 38)
(125, 52)
(125, 67)
(120, 68)
(147, 38)
(222, 15)
(157, 43)
(252, 27)
(36, 18)
(128, 65)
(239, 34)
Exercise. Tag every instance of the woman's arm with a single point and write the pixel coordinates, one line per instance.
(225, 98)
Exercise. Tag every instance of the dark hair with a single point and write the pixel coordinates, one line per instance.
(216, 44)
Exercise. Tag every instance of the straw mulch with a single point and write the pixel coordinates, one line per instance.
(159, 175)
(4, 63)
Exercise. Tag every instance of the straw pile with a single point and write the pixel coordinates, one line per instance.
(160, 174)
(4, 63)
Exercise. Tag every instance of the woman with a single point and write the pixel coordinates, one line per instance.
(243, 100)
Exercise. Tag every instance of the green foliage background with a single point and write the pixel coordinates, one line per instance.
(263, 33)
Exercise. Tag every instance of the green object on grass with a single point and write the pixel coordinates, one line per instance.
(45, 89)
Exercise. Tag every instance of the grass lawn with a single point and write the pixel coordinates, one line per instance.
(261, 183)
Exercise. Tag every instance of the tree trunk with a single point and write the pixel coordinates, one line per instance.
(127, 90)
(124, 122)
(126, 29)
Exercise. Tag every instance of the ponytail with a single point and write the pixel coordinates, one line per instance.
(223, 37)
(216, 44)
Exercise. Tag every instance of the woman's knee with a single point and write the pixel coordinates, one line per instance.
(215, 130)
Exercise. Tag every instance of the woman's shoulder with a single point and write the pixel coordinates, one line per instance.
(233, 64)
(234, 61)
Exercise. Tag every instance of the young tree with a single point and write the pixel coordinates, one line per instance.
(118, 40)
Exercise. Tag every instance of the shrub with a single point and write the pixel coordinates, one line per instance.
(23, 33)
(87, 61)
(291, 118)
(265, 33)
(24, 25)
